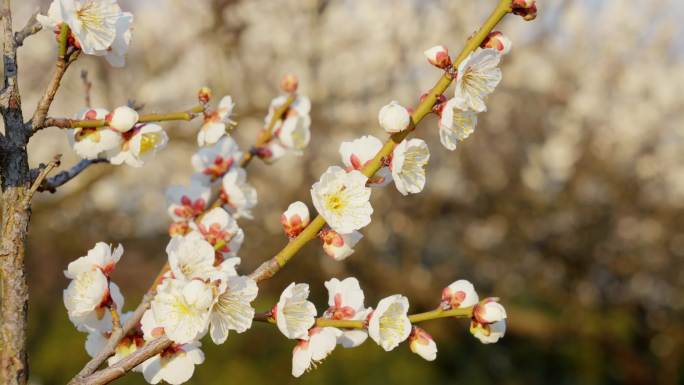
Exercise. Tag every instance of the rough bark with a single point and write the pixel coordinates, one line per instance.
(15, 215)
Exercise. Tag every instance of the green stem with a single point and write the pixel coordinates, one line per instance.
(76, 123)
(63, 41)
(270, 267)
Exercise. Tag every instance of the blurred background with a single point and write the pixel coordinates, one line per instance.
(567, 202)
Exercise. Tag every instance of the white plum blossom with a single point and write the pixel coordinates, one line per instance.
(339, 246)
(308, 353)
(87, 299)
(232, 310)
(389, 325)
(294, 132)
(239, 197)
(185, 203)
(459, 294)
(93, 22)
(191, 257)
(357, 153)
(271, 152)
(139, 144)
(293, 313)
(182, 308)
(116, 53)
(90, 143)
(221, 231)
(342, 199)
(97, 340)
(101, 257)
(175, 365)
(422, 344)
(212, 162)
(345, 301)
(394, 118)
(408, 165)
(122, 119)
(488, 333)
(438, 56)
(295, 219)
(214, 126)
(477, 77)
(455, 125)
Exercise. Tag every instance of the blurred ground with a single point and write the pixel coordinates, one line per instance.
(567, 202)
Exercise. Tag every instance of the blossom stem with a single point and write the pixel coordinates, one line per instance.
(63, 41)
(270, 267)
(74, 123)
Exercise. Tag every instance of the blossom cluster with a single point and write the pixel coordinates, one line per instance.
(201, 292)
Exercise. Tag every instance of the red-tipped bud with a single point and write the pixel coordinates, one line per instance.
(204, 95)
(525, 8)
(497, 41)
(489, 311)
(295, 219)
(339, 246)
(289, 83)
(422, 344)
(438, 56)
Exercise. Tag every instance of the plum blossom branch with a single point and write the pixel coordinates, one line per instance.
(271, 266)
(63, 62)
(267, 134)
(44, 172)
(51, 184)
(187, 115)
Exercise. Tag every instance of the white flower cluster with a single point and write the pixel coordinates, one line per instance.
(388, 324)
(98, 27)
(122, 140)
(291, 133)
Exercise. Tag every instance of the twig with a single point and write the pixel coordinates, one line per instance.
(85, 123)
(32, 27)
(267, 134)
(55, 162)
(87, 85)
(51, 184)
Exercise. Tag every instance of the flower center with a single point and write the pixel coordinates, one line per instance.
(149, 141)
(335, 202)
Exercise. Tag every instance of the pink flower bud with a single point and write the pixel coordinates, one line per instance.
(295, 219)
(489, 311)
(422, 344)
(204, 95)
(497, 41)
(459, 294)
(339, 246)
(438, 56)
(525, 8)
(122, 119)
(394, 118)
(179, 228)
(289, 83)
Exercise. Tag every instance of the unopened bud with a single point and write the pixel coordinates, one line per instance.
(458, 295)
(122, 119)
(489, 311)
(422, 344)
(289, 83)
(525, 8)
(339, 246)
(438, 56)
(295, 219)
(497, 41)
(204, 95)
(394, 118)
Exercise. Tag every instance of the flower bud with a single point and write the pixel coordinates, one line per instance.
(459, 294)
(422, 344)
(497, 41)
(204, 95)
(394, 117)
(488, 333)
(295, 219)
(438, 56)
(122, 119)
(289, 83)
(489, 311)
(339, 246)
(179, 228)
(525, 8)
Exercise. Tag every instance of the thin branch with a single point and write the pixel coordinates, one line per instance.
(87, 86)
(44, 172)
(51, 184)
(31, 28)
(267, 134)
(95, 123)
